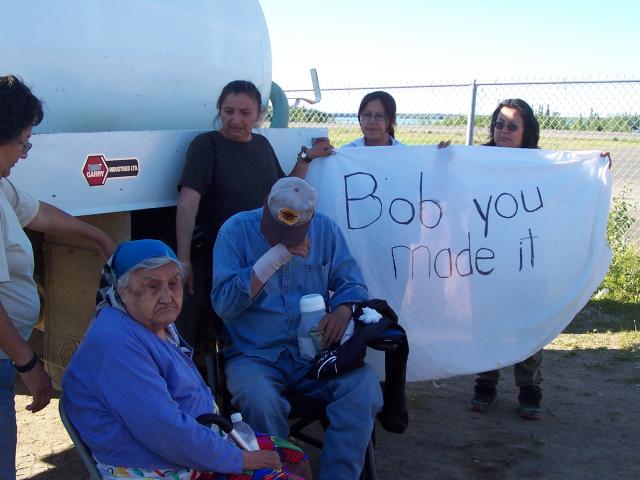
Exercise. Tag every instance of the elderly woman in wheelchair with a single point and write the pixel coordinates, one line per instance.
(134, 394)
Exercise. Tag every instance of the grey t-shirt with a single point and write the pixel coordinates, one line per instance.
(18, 291)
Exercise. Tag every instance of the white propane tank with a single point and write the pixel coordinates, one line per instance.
(125, 65)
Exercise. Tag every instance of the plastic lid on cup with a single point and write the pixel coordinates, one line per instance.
(311, 303)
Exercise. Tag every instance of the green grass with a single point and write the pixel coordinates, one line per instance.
(600, 328)
(625, 345)
(606, 315)
(628, 346)
(632, 380)
(557, 140)
(601, 365)
(418, 399)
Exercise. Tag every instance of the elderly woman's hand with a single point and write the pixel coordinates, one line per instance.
(261, 459)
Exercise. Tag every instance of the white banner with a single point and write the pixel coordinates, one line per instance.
(486, 254)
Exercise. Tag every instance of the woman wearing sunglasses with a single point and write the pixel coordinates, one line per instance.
(514, 125)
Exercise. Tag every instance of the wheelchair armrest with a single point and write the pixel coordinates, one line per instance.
(209, 419)
(387, 341)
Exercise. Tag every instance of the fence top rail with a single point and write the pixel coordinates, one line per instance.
(468, 84)
(561, 82)
(388, 87)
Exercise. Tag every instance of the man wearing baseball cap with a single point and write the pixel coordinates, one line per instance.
(264, 261)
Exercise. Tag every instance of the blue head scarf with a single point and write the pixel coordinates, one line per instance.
(127, 256)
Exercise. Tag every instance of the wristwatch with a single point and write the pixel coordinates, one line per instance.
(303, 155)
(28, 366)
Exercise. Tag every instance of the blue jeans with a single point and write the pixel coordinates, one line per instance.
(354, 399)
(8, 430)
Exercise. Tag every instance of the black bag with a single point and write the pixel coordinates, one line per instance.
(386, 335)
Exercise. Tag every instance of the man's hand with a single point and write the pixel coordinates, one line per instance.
(272, 260)
(302, 249)
(261, 459)
(39, 385)
(333, 325)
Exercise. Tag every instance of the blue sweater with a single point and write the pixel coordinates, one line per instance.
(134, 399)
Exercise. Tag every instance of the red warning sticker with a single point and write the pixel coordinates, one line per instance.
(97, 169)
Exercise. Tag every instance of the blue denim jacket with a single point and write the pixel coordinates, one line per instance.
(265, 326)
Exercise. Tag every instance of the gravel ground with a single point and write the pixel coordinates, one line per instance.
(590, 429)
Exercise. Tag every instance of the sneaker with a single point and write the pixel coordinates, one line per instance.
(484, 395)
(529, 398)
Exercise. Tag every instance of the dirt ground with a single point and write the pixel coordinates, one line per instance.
(590, 428)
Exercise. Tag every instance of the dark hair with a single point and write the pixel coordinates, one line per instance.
(238, 87)
(19, 108)
(531, 133)
(388, 103)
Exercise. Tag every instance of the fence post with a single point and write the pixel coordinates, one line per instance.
(472, 113)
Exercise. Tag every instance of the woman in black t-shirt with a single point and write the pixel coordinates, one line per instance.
(226, 171)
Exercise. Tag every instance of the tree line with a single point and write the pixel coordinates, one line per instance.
(548, 119)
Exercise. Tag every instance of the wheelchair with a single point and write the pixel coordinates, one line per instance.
(81, 447)
(305, 411)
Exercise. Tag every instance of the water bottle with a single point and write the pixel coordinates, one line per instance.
(312, 309)
(244, 433)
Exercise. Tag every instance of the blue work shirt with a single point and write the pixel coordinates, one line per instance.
(266, 325)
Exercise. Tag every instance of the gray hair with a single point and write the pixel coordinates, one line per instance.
(148, 264)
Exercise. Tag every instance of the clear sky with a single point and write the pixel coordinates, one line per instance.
(404, 42)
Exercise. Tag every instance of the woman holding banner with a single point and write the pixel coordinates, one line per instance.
(377, 118)
(514, 125)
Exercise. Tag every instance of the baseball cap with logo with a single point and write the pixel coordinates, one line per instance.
(288, 210)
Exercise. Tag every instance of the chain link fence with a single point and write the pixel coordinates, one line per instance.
(573, 115)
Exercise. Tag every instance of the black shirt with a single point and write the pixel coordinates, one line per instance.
(230, 177)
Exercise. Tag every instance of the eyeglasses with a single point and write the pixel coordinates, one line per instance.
(512, 127)
(25, 146)
(378, 117)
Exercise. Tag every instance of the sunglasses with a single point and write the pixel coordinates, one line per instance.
(512, 127)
